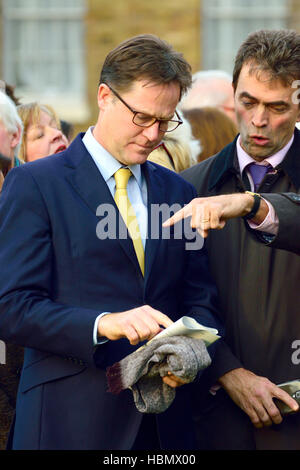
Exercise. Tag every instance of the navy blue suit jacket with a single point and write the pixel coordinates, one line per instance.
(56, 277)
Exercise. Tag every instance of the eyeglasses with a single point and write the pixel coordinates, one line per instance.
(144, 120)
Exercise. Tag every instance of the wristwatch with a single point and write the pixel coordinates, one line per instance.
(255, 207)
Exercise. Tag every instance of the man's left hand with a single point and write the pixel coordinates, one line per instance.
(173, 381)
(254, 395)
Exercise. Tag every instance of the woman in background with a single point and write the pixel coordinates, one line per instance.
(42, 134)
(212, 127)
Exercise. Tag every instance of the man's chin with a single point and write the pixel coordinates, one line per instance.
(141, 158)
(258, 152)
(135, 158)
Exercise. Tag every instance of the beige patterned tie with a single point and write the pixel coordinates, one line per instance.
(127, 212)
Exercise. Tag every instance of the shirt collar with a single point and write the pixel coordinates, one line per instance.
(224, 164)
(104, 161)
(244, 159)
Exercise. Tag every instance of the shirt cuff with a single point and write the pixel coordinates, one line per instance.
(270, 224)
(99, 339)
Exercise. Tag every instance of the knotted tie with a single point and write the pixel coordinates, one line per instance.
(258, 173)
(127, 212)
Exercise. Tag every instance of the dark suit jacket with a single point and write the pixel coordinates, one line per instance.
(57, 276)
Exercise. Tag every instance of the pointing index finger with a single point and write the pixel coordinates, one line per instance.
(162, 319)
(181, 214)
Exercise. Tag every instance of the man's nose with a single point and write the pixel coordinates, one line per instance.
(260, 116)
(153, 132)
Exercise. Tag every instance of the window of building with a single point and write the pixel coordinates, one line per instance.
(226, 23)
(44, 53)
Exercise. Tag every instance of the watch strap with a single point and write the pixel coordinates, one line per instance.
(255, 206)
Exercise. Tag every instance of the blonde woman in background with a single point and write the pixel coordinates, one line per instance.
(42, 132)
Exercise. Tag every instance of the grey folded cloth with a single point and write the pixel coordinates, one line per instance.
(142, 370)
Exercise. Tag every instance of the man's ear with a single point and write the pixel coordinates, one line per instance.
(104, 95)
(15, 138)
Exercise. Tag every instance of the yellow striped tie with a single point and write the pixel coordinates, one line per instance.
(127, 212)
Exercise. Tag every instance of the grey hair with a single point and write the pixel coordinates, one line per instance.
(9, 115)
(206, 75)
(212, 96)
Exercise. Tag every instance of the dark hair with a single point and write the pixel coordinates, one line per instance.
(145, 56)
(10, 91)
(276, 52)
(67, 129)
(212, 127)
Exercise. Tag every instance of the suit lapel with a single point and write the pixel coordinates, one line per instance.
(87, 181)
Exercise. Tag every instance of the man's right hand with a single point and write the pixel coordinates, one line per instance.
(254, 395)
(139, 324)
(213, 212)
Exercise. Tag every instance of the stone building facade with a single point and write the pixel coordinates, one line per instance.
(108, 22)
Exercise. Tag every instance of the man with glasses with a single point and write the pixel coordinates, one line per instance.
(144, 120)
(81, 292)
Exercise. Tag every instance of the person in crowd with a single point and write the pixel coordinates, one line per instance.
(80, 298)
(9, 90)
(213, 129)
(67, 129)
(42, 133)
(211, 88)
(258, 285)
(178, 150)
(11, 129)
(10, 136)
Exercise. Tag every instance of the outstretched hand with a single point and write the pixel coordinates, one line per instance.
(212, 212)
